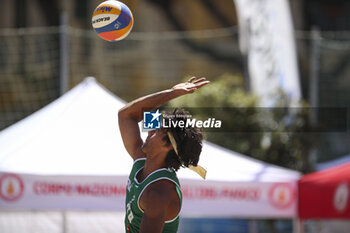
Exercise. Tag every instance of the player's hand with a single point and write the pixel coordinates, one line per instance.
(191, 85)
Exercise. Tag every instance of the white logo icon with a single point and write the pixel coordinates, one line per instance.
(341, 197)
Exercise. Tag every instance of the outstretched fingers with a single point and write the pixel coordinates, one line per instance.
(191, 79)
(195, 84)
(199, 80)
(201, 84)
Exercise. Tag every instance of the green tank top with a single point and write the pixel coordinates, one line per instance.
(134, 189)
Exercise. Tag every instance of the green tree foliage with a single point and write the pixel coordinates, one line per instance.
(274, 135)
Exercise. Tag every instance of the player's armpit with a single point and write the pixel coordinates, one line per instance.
(152, 222)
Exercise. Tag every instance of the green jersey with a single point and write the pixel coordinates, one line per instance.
(134, 191)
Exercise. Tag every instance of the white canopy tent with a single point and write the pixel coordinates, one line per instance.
(70, 156)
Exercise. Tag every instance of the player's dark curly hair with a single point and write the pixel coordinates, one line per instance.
(188, 140)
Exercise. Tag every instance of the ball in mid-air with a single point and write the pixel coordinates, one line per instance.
(112, 20)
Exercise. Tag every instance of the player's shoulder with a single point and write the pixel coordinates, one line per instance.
(162, 189)
(161, 197)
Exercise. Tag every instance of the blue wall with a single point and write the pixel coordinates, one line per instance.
(213, 225)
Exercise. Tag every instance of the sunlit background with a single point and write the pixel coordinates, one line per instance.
(47, 47)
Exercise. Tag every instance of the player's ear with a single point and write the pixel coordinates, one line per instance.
(169, 145)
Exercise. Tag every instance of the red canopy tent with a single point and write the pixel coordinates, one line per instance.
(325, 194)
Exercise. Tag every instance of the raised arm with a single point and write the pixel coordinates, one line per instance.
(131, 114)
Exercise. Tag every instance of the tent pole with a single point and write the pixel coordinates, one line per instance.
(298, 226)
(64, 222)
(252, 226)
(64, 50)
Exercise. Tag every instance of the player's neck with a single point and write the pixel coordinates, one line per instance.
(152, 164)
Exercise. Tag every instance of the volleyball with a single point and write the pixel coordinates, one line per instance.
(112, 20)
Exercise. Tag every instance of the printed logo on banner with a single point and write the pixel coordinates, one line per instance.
(341, 197)
(282, 195)
(11, 187)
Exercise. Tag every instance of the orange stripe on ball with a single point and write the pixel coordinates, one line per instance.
(114, 35)
(101, 10)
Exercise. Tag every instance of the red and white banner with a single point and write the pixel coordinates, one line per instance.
(61, 192)
(207, 198)
(239, 199)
